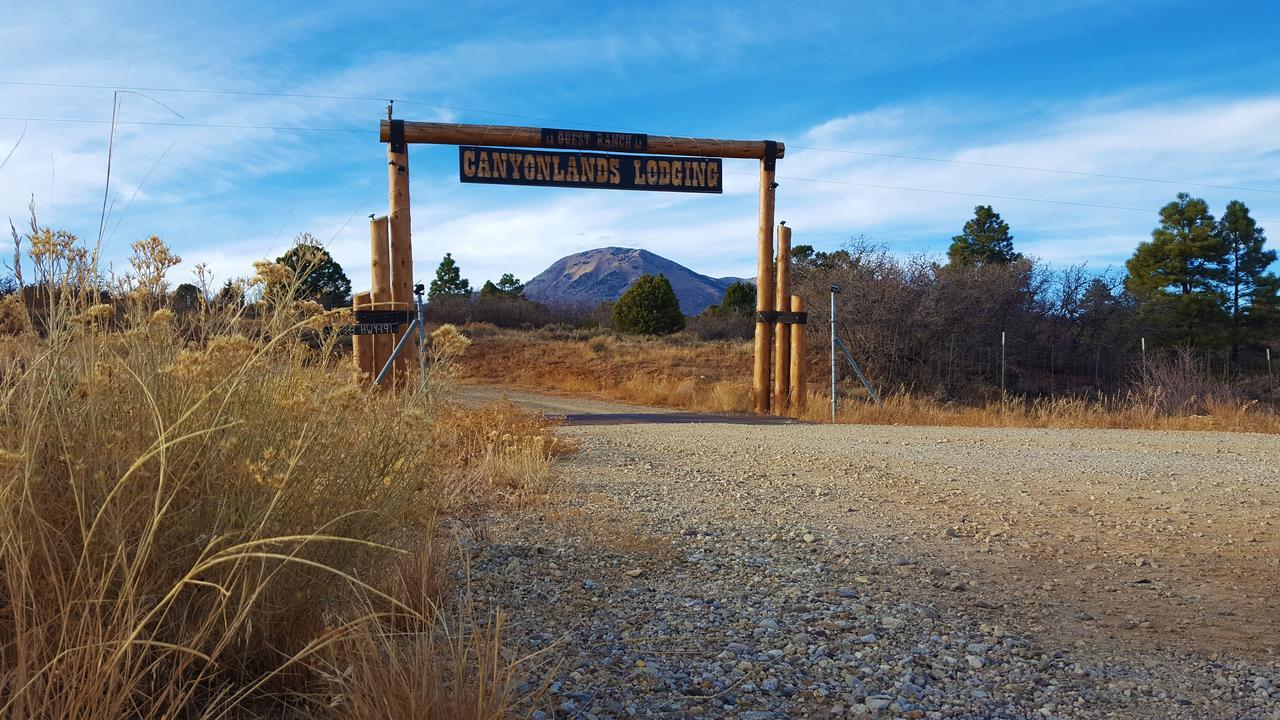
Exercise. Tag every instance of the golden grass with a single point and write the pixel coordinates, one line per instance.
(690, 375)
(686, 374)
(201, 516)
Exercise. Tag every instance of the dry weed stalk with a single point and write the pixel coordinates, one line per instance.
(197, 508)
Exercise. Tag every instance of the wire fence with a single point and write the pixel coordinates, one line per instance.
(961, 368)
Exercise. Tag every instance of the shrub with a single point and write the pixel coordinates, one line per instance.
(721, 325)
(648, 307)
(1177, 383)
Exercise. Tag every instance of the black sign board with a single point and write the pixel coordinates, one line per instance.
(594, 140)
(506, 166)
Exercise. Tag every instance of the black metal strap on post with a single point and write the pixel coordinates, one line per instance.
(770, 154)
(786, 318)
(397, 136)
(396, 317)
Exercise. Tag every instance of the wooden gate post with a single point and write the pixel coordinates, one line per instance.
(401, 247)
(764, 283)
(362, 345)
(799, 366)
(380, 265)
(782, 333)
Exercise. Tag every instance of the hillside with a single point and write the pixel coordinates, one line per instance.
(594, 276)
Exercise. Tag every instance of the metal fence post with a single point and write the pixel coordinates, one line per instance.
(835, 289)
(1002, 366)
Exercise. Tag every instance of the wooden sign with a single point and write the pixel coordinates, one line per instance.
(505, 166)
(594, 140)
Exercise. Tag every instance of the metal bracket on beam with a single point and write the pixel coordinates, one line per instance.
(397, 136)
(770, 154)
(786, 318)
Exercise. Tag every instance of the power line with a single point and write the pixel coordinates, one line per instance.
(1030, 168)
(303, 96)
(985, 196)
(223, 126)
(455, 108)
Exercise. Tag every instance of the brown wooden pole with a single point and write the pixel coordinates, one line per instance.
(401, 252)
(380, 265)
(362, 345)
(531, 137)
(764, 290)
(781, 331)
(799, 366)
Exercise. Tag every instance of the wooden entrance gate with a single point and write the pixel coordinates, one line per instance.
(496, 154)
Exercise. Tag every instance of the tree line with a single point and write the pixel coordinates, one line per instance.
(1199, 283)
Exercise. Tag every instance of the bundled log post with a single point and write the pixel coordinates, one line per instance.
(362, 345)
(799, 369)
(760, 389)
(782, 330)
(380, 265)
(401, 250)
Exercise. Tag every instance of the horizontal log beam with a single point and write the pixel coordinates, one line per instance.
(511, 136)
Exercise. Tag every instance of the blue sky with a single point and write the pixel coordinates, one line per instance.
(1181, 91)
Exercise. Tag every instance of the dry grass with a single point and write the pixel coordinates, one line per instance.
(201, 516)
(667, 372)
(714, 376)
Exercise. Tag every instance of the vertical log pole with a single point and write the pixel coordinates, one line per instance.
(380, 265)
(362, 345)
(764, 284)
(401, 242)
(799, 369)
(781, 331)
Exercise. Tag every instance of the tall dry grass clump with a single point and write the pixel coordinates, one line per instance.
(202, 517)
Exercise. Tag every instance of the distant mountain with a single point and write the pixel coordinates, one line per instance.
(594, 276)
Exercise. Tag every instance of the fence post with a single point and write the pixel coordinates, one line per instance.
(1002, 366)
(834, 289)
(1268, 362)
(1144, 352)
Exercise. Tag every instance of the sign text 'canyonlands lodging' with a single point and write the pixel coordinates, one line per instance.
(505, 166)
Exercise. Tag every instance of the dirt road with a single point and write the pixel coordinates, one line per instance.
(822, 571)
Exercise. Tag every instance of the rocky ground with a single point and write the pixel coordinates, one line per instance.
(712, 570)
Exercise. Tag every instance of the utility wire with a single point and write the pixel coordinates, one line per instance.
(957, 193)
(14, 149)
(184, 124)
(1029, 168)
(303, 96)
(847, 151)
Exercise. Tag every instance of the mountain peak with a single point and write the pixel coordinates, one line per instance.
(603, 274)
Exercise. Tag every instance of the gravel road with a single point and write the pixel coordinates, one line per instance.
(716, 570)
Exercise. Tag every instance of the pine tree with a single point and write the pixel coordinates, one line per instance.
(449, 282)
(1177, 276)
(320, 277)
(1247, 264)
(739, 297)
(985, 241)
(648, 307)
(507, 286)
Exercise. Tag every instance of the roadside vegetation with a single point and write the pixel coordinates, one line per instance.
(1188, 337)
(203, 516)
